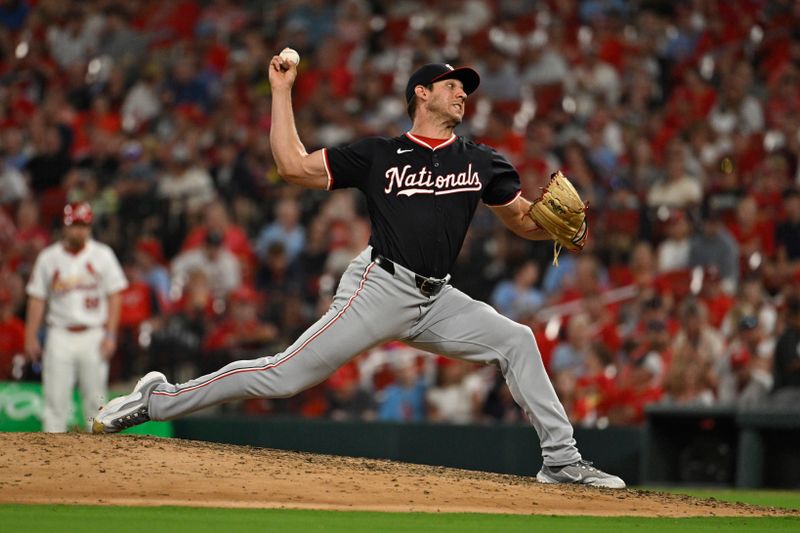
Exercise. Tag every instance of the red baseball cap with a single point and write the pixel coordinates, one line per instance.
(740, 358)
(151, 247)
(244, 294)
(78, 213)
(343, 376)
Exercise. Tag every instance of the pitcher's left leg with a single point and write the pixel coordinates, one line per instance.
(458, 326)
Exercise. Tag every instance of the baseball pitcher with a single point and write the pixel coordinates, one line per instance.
(422, 189)
(75, 286)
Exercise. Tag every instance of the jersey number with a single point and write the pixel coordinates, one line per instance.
(91, 302)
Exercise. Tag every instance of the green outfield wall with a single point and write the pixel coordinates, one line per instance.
(510, 449)
(22, 403)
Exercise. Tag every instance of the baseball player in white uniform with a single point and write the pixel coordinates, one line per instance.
(75, 285)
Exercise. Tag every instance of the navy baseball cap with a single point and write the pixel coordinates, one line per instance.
(433, 72)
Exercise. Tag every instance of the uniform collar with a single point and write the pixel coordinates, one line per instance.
(420, 142)
(77, 252)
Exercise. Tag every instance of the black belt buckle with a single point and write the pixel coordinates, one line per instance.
(429, 287)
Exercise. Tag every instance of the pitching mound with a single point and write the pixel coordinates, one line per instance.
(131, 470)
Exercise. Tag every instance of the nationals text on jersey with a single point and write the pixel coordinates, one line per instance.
(423, 182)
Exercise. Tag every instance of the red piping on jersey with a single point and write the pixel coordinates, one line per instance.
(270, 366)
(433, 142)
(327, 168)
(420, 142)
(519, 192)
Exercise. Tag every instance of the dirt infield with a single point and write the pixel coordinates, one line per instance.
(132, 470)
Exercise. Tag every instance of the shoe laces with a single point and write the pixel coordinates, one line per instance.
(135, 418)
(583, 463)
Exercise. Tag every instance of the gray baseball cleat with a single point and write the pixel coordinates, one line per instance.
(581, 472)
(128, 411)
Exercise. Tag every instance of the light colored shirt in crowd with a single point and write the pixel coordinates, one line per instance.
(746, 117)
(719, 250)
(190, 190)
(512, 301)
(550, 67)
(223, 272)
(710, 347)
(731, 392)
(13, 186)
(68, 48)
(141, 104)
(293, 241)
(681, 193)
(455, 403)
(673, 255)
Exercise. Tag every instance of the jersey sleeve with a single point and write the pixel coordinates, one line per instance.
(37, 284)
(504, 187)
(349, 166)
(114, 279)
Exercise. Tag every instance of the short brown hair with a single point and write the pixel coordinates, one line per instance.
(412, 104)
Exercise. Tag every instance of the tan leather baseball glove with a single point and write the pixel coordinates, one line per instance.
(562, 214)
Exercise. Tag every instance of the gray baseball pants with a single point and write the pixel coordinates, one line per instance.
(372, 306)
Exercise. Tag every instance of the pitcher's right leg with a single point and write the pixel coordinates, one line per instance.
(305, 363)
(365, 312)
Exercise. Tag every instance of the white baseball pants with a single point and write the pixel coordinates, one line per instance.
(72, 358)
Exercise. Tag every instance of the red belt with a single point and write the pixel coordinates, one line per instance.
(77, 329)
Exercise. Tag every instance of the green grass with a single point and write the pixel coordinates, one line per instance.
(84, 519)
(770, 498)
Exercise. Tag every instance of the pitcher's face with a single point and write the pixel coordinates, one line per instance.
(448, 100)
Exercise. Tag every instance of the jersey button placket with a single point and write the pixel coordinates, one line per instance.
(437, 202)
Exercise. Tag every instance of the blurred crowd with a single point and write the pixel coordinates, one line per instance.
(679, 122)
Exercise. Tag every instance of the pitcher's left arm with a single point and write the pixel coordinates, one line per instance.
(515, 217)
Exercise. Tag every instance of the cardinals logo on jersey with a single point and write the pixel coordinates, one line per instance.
(60, 284)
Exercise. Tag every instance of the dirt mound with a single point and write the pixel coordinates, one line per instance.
(132, 470)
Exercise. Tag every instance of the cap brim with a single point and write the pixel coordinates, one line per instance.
(465, 75)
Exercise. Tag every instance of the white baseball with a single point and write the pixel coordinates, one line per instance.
(290, 55)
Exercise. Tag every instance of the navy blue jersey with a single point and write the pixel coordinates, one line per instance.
(421, 199)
